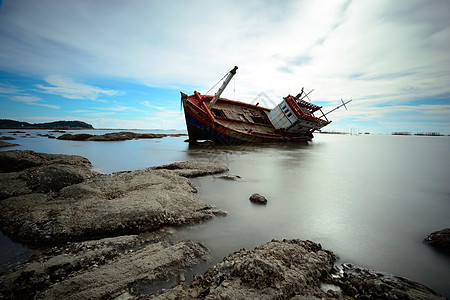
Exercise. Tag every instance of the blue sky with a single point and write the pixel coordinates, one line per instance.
(121, 64)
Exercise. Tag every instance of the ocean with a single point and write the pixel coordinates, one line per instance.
(371, 199)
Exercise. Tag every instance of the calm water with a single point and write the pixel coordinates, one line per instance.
(370, 199)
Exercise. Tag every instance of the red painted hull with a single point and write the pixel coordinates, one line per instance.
(203, 125)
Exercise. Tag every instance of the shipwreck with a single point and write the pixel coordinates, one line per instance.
(231, 122)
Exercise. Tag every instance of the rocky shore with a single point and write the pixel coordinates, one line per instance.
(49, 199)
(103, 236)
(114, 136)
(293, 269)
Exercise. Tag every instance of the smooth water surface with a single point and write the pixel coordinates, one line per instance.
(371, 199)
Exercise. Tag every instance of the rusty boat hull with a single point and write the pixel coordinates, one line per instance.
(234, 123)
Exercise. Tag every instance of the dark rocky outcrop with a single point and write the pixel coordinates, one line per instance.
(9, 138)
(6, 144)
(190, 169)
(276, 270)
(49, 199)
(293, 269)
(440, 240)
(258, 199)
(114, 136)
(101, 269)
(364, 283)
(230, 177)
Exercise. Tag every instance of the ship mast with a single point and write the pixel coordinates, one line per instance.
(222, 88)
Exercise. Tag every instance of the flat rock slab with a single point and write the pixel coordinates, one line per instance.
(18, 160)
(101, 269)
(58, 198)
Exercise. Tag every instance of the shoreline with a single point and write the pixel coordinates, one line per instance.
(40, 174)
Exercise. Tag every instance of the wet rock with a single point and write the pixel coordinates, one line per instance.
(60, 202)
(362, 283)
(440, 240)
(276, 270)
(6, 144)
(18, 160)
(191, 169)
(230, 177)
(101, 269)
(6, 138)
(258, 199)
(75, 137)
(55, 177)
(293, 269)
(114, 136)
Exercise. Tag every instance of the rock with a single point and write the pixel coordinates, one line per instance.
(193, 169)
(258, 199)
(58, 198)
(276, 270)
(114, 136)
(6, 144)
(101, 269)
(230, 177)
(368, 284)
(6, 138)
(55, 177)
(74, 137)
(440, 240)
(18, 160)
(292, 269)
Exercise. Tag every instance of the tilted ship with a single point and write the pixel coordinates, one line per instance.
(233, 122)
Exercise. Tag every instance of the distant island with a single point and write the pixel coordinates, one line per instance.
(420, 133)
(11, 124)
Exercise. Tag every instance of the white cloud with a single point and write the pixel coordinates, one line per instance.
(67, 88)
(8, 89)
(32, 100)
(149, 104)
(121, 108)
(376, 52)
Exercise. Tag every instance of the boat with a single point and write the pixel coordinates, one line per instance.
(232, 122)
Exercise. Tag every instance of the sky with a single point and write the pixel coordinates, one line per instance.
(122, 64)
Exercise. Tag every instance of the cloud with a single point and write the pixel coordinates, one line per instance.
(67, 88)
(121, 108)
(378, 53)
(33, 100)
(8, 89)
(149, 104)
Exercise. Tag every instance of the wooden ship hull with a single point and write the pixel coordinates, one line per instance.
(232, 122)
